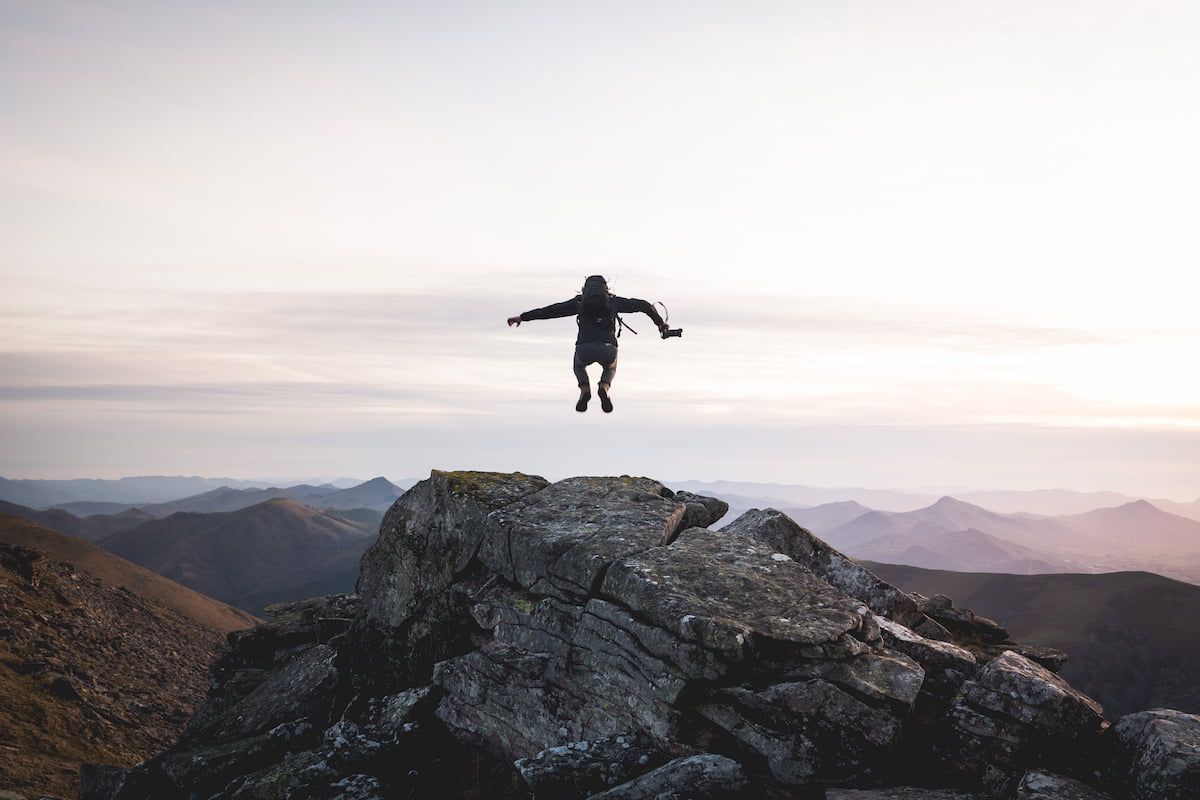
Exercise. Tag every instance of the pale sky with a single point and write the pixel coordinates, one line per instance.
(940, 244)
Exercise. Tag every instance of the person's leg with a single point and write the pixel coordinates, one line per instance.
(609, 364)
(581, 377)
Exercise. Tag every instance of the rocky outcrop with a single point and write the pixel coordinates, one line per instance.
(1158, 754)
(595, 638)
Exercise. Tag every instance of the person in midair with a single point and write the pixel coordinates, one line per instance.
(596, 311)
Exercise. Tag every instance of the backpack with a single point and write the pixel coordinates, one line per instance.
(595, 305)
(594, 300)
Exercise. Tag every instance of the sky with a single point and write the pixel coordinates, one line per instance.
(912, 245)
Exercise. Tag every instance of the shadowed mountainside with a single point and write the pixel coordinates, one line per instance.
(1130, 636)
(271, 552)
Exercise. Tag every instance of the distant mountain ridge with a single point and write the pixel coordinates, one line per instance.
(1045, 502)
(134, 491)
(953, 535)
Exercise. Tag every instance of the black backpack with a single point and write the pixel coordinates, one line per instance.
(595, 301)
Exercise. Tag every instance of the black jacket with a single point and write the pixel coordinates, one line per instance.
(595, 329)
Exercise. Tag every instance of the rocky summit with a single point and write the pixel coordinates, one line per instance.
(596, 638)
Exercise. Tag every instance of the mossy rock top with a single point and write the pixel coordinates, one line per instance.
(491, 489)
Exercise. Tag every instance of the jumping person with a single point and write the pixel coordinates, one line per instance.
(596, 311)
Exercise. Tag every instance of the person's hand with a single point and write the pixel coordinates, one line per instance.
(514, 321)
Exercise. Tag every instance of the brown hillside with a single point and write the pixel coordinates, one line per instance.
(116, 571)
(91, 671)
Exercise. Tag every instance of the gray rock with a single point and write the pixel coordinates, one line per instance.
(783, 534)
(1019, 689)
(961, 621)
(500, 699)
(701, 511)
(376, 732)
(300, 690)
(1158, 755)
(740, 599)
(580, 769)
(901, 793)
(947, 666)
(560, 541)
(1042, 785)
(1013, 715)
(703, 777)
(429, 536)
(214, 765)
(809, 733)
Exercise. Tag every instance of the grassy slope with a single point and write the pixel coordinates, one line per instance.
(116, 571)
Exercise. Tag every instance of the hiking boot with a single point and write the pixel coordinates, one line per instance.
(605, 400)
(585, 394)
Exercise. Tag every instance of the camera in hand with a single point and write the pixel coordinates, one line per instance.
(668, 332)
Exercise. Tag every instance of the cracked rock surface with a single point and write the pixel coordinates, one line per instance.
(596, 638)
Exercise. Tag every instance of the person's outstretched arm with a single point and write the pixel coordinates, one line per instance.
(630, 305)
(567, 308)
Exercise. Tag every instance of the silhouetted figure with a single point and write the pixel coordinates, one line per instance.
(596, 311)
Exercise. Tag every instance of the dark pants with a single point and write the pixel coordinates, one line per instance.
(601, 353)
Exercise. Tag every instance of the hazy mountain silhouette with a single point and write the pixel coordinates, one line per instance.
(947, 515)
(274, 551)
(1141, 524)
(1044, 502)
(100, 659)
(1190, 510)
(377, 494)
(130, 491)
(960, 550)
(227, 498)
(1134, 536)
(1131, 636)
(795, 495)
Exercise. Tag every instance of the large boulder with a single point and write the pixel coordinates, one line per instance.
(1017, 713)
(560, 541)
(595, 638)
(429, 536)
(780, 532)
(1158, 755)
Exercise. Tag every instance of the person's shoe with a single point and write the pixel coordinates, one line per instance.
(585, 394)
(605, 400)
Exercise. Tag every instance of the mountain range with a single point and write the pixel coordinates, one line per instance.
(951, 534)
(110, 496)
(743, 495)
